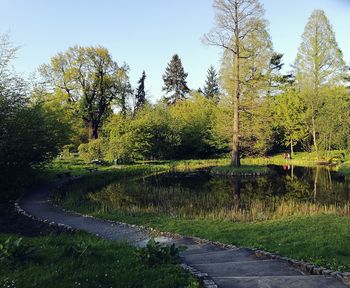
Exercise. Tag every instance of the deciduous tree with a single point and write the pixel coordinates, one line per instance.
(236, 21)
(90, 80)
(319, 63)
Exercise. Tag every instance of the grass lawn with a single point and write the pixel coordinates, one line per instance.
(299, 158)
(81, 260)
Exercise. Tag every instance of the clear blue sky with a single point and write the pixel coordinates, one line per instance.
(146, 33)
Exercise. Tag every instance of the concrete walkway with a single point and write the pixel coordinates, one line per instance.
(228, 268)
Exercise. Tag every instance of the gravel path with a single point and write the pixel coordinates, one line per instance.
(216, 265)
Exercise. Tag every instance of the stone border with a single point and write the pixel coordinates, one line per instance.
(204, 279)
(19, 210)
(306, 266)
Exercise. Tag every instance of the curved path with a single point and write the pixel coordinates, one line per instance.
(234, 267)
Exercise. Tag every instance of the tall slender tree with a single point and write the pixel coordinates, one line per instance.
(273, 74)
(236, 21)
(319, 63)
(140, 92)
(211, 88)
(175, 81)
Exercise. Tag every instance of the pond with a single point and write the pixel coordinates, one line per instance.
(285, 191)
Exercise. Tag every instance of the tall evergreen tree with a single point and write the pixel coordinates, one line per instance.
(319, 63)
(140, 93)
(211, 88)
(175, 80)
(273, 74)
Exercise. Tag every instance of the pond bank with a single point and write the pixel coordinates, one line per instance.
(318, 238)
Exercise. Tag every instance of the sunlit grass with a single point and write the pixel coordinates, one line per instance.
(306, 159)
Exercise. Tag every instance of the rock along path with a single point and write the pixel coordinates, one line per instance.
(221, 267)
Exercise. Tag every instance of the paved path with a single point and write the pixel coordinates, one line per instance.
(229, 268)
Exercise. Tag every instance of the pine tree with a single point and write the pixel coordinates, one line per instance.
(141, 94)
(175, 80)
(319, 63)
(211, 88)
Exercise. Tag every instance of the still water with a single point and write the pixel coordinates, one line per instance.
(285, 191)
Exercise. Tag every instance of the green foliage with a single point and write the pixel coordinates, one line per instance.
(194, 121)
(140, 93)
(92, 150)
(333, 120)
(291, 117)
(110, 264)
(12, 251)
(319, 63)
(183, 130)
(91, 81)
(156, 253)
(212, 89)
(77, 249)
(30, 134)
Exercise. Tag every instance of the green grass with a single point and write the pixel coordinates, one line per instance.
(102, 264)
(344, 168)
(306, 159)
(242, 170)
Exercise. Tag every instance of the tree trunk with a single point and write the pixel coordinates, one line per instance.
(315, 182)
(235, 161)
(314, 133)
(92, 130)
(291, 149)
(236, 190)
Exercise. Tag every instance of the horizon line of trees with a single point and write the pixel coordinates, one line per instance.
(85, 102)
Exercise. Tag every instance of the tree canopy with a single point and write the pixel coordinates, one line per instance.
(91, 82)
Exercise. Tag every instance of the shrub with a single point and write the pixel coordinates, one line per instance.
(156, 254)
(91, 151)
(13, 251)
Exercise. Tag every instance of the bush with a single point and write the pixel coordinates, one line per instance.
(14, 251)
(92, 150)
(156, 254)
